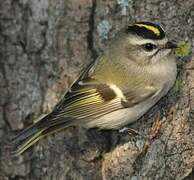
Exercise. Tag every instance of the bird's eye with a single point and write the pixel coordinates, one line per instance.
(149, 46)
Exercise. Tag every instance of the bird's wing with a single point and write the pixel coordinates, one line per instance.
(89, 99)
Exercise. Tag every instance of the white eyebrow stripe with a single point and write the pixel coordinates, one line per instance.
(145, 41)
(135, 40)
(139, 41)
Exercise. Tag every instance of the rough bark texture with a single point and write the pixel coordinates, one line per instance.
(43, 46)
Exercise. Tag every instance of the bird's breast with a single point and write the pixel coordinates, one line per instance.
(164, 71)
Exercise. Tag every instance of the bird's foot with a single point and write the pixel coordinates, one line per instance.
(130, 131)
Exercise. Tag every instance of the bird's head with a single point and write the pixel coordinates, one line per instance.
(145, 43)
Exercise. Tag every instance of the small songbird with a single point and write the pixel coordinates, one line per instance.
(122, 84)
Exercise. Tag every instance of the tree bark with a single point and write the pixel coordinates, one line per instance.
(43, 46)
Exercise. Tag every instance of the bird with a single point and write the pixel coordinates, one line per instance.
(134, 72)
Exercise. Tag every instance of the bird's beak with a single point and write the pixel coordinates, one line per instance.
(170, 45)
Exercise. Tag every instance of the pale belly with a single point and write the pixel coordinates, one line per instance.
(120, 118)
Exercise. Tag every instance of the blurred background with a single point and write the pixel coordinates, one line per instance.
(43, 46)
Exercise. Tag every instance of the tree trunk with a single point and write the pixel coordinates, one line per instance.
(43, 46)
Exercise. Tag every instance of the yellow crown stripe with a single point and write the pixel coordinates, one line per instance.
(149, 27)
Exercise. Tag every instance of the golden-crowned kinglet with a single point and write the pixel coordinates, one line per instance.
(133, 73)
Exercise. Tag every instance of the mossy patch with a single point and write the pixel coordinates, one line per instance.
(178, 86)
(184, 49)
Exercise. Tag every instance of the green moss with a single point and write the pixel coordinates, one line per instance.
(178, 86)
(184, 48)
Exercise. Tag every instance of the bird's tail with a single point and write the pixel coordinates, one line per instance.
(34, 133)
